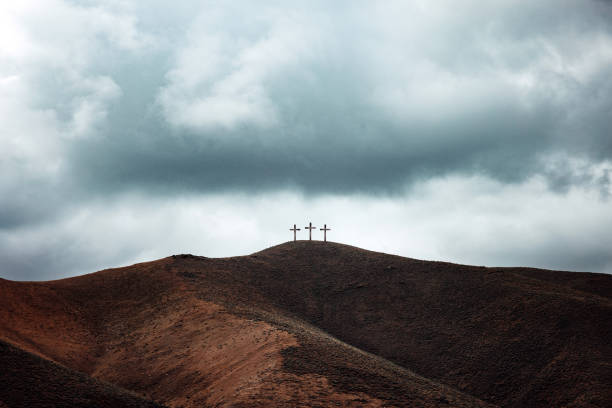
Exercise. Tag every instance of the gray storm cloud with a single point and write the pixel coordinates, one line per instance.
(101, 100)
(366, 98)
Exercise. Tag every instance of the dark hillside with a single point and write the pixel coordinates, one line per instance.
(511, 336)
(163, 331)
(31, 381)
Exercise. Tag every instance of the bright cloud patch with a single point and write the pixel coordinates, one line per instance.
(468, 220)
(221, 76)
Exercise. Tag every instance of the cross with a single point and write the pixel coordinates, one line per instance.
(294, 229)
(325, 229)
(310, 228)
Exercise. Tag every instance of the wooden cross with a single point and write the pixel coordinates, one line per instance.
(310, 228)
(294, 229)
(325, 229)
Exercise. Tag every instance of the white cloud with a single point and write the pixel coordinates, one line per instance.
(48, 92)
(454, 60)
(471, 220)
(90, 108)
(221, 75)
(29, 137)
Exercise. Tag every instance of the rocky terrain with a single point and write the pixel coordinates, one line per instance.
(308, 324)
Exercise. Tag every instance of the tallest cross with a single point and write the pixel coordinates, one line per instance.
(310, 228)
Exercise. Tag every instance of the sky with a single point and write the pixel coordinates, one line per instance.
(463, 131)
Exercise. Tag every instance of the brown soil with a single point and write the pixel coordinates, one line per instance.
(31, 381)
(322, 324)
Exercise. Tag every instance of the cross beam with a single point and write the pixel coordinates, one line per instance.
(325, 229)
(294, 229)
(310, 228)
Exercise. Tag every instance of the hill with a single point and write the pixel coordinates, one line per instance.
(321, 324)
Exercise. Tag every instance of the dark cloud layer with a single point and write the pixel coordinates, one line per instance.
(335, 161)
(330, 135)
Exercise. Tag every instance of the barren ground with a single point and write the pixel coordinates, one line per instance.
(309, 324)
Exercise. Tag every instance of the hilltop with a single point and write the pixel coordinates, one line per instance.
(320, 324)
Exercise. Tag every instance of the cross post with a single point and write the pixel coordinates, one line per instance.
(310, 228)
(294, 229)
(325, 229)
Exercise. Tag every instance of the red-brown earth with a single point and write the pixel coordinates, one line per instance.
(308, 324)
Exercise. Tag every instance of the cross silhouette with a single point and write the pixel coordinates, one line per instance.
(325, 229)
(294, 229)
(310, 228)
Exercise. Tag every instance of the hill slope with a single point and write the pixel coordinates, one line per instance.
(30, 381)
(321, 323)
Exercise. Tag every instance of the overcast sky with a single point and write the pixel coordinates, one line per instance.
(465, 131)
